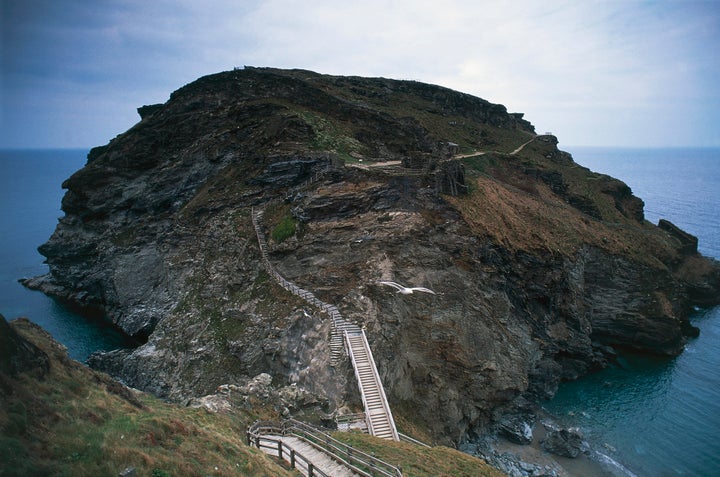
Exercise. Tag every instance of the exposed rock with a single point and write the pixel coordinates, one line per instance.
(688, 242)
(540, 265)
(517, 428)
(148, 109)
(508, 462)
(292, 172)
(450, 178)
(18, 355)
(566, 442)
(288, 400)
(629, 205)
(212, 402)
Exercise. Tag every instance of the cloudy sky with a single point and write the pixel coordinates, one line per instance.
(601, 73)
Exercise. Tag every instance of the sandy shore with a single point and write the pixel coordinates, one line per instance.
(582, 466)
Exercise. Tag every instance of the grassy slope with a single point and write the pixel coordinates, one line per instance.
(420, 461)
(78, 422)
(522, 213)
(74, 421)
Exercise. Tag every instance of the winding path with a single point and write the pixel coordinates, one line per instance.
(480, 153)
(345, 336)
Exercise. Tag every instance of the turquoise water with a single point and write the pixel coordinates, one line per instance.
(30, 196)
(659, 417)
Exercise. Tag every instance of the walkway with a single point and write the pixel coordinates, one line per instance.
(377, 410)
(480, 153)
(314, 452)
(319, 460)
(522, 146)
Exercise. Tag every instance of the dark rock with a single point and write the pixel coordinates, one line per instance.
(450, 178)
(148, 109)
(517, 428)
(286, 173)
(629, 205)
(688, 242)
(158, 238)
(18, 355)
(565, 442)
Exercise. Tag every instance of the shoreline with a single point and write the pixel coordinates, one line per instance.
(531, 459)
(582, 466)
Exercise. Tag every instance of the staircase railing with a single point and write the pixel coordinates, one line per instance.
(341, 329)
(366, 465)
(387, 413)
(261, 436)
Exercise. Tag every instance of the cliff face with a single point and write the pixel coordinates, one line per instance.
(540, 265)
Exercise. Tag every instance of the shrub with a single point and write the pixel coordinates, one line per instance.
(285, 229)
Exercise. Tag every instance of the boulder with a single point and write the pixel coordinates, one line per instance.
(517, 428)
(566, 442)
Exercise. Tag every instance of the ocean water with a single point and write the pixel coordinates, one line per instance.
(30, 196)
(658, 416)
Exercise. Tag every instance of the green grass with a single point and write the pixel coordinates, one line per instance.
(417, 461)
(77, 422)
(331, 135)
(285, 229)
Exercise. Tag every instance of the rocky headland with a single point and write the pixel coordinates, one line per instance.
(542, 268)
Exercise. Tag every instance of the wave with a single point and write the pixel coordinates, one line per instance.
(615, 467)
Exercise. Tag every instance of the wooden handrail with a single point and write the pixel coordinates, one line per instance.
(360, 462)
(378, 383)
(340, 330)
(345, 450)
(294, 456)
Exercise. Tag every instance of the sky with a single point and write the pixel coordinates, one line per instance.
(594, 73)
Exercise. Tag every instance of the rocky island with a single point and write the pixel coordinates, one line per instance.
(541, 268)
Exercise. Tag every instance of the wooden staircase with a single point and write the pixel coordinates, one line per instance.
(345, 337)
(377, 410)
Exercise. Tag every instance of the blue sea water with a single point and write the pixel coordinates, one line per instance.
(655, 416)
(30, 196)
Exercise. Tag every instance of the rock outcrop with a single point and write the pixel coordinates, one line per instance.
(565, 442)
(18, 355)
(541, 266)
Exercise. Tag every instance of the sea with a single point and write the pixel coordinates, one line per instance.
(30, 196)
(645, 416)
(652, 416)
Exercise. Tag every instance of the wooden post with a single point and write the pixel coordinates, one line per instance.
(292, 458)
(280, 449)
(311, 469)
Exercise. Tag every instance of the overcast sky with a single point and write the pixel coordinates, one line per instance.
(602, 73)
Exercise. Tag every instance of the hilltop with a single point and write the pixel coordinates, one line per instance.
(543, 269)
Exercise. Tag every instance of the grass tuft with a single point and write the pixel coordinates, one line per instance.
(285, 229)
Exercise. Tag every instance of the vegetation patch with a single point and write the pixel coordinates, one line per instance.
(74, 422)
(285, 229)
(331, 135)
(420, 461)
